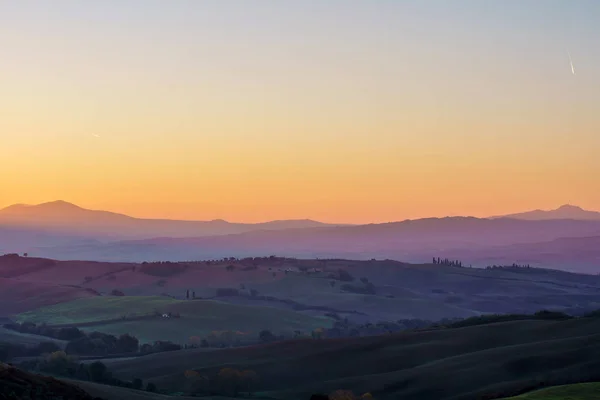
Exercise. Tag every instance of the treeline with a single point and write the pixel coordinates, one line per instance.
(9, 351)
(344, 328)
(494, 318)
(513, 266)
(94, 343)
(60, 364)
(457, 263)
(447, 262)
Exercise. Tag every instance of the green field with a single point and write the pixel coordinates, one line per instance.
(581, 391)
(198, 317)
(13, 337)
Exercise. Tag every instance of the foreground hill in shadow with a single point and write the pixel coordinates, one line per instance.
(493, 360)
(581, 391)
(16, 384)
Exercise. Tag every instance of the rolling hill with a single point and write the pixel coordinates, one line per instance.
(399, 290)
(17, 384)
(18, 296)
(459, 363)
(581, 391)
(413, 241)
(134, 315)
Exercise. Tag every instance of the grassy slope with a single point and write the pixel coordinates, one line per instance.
(423, 291)
(447, 364)
(198, 317)
(18, 296)
(118, 393)
(9, 336)
(581, 391)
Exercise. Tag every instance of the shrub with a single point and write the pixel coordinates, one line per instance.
(266, 336)
(342, 395)
(227, 292)
(137, 384)
(97, 371)
(345, 276)
(163, 270)
(161, 283)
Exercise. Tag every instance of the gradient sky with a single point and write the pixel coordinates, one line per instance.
(338, 110)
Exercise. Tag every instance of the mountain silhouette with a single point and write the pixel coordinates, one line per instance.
(566, 211)
(69, 218)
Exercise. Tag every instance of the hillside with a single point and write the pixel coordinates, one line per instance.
(18, 296)
(17, 384)
(581, 391)
(463, 363)
(13, 337)
(106, 392)
(396, 290)
(135, 315)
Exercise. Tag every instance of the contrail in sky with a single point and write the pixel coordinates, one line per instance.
(94, 135)
(571, 61)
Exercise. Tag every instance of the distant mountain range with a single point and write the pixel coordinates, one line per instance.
(565, 238)
(474, 241)
(566, 211)
(67, 218)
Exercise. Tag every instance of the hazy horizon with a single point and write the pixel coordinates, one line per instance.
(54, 202)
(345, 111)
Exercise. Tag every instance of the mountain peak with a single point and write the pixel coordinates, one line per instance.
(566, 211)
(569, 207)
(59, 204)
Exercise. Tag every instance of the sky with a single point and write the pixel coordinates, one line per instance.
(342, 110)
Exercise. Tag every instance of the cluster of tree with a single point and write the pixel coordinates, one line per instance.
(348, 395)
(11, 255)
(513, 266)
(228, 382)
(163, 269)
(65, 333)
(341, 275)
(341, 395)
(80, 343)
(345, 328)
(101, 344)
(159, 346)
(94, 343)
(492, 318)
(9, 351)
(61, 364)
(227, 292)
(228, 338)
(447, 262)
(365, 288)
